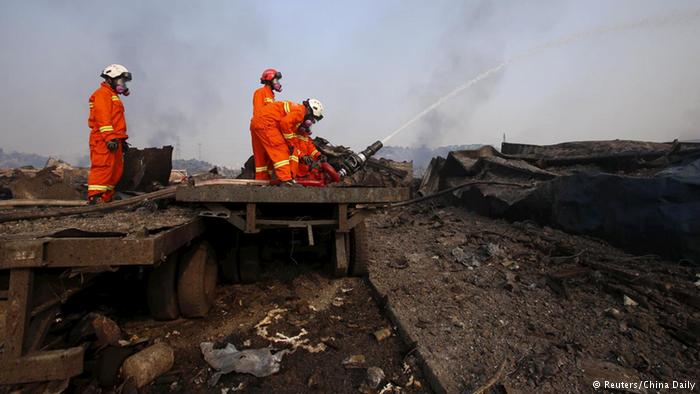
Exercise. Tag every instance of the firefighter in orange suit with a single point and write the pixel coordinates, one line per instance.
(272, 131)
(266, 94)
(107, 133)
(305, 151)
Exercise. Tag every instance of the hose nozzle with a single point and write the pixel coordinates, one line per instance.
(355, 161)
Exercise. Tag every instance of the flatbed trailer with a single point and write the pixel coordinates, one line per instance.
(184, 264)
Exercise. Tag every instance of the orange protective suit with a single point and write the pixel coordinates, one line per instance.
(106, 123)
(272, 133)
(262, 96)
(303, 146)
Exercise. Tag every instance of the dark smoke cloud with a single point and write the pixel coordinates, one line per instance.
(373, 64)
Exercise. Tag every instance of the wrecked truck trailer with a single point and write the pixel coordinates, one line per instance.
(222, 226)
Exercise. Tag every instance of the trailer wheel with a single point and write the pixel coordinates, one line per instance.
(196, 284)
(162, 290)
(359, 250)
(249, 264)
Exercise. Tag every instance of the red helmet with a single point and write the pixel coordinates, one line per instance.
(270, 74)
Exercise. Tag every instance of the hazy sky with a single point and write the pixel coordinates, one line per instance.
(374, 65)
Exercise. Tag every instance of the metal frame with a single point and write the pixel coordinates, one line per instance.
(291, 195)
(249, 222)
(21, 362)
(219, 197)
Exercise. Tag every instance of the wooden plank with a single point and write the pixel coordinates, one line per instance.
(296, 223)
(26, 202)
(296, 195)
(56, 212)
(250, 226)
(38, 328)
(310, 234)
(85, 252)
(239, 182)
(237, 221)
(357, 217)
(22, 253)
(98, 251)
(340, 259)
(17, 318)
(171, 240)
(343, 218)
(42, 366)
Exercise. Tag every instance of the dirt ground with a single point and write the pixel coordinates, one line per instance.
(530, 308)
(338, 316)
(481, 303)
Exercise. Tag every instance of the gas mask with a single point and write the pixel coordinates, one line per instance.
(276, 85)
(306, 124)
(119, 84)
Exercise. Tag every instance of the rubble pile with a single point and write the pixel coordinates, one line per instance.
(57, 180)
(520, 307)
(640, 195)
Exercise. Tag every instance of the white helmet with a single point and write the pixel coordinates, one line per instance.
(316, 108)
(115, 71)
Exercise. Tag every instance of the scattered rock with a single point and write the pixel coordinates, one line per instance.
(510, 264)
(614, 313)
(103, 328)
(494, 250)
(375, 376)
(511, 281)
(354, 361)
(382, 334)
(452, 241)
(106, 330)
(466, 259)
(623, 326)
(398, 264)
(146, 365)
(337, 302)
(314, 379)
(414, 258)
(628, 301)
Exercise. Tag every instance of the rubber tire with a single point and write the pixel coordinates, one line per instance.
(229, 266)
(249, 264)
(162, 290)
(196, 283)
(359, 250)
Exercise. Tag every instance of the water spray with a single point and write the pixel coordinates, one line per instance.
(646, 22)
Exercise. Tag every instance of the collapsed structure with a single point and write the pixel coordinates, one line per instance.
(639, 195)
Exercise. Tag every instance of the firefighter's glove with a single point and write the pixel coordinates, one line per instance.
(307, 160)
(113, 145)
(322, 159)
(125, 146)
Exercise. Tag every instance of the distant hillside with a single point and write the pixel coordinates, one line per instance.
(18, 159)
(194, 166)
(420, 156)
